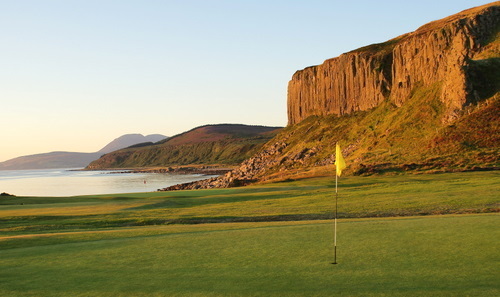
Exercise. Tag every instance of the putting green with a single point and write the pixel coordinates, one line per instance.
(414, 256)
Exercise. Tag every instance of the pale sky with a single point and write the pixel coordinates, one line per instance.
(74, 75)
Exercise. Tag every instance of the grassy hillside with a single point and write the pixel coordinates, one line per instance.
(127, 245)
(390, 139)
(224, 144)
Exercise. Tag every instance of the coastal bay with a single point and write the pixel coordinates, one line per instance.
(72, 181)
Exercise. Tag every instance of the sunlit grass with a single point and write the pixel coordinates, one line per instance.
(471, 192)
(415, 256)
(263, 240)
(72, 209)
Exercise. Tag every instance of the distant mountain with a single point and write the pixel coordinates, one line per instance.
(224, 144)
(73, 159)
(50, 160)
(128, 140)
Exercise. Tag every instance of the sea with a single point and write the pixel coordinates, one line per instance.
(74, 182)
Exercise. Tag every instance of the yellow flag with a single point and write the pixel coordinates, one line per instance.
(339, 160)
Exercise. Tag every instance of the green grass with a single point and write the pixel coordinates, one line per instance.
(418, 256)
(263, 240)
(308, 199)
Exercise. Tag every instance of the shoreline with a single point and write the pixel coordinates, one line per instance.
(204, 170)
(78, 182)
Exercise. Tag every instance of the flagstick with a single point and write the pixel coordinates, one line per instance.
(335, 224)
(339, 165)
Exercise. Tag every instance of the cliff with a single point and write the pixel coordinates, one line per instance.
(450, 51)
(385, 140)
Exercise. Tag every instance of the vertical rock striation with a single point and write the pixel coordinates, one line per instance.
(438, 52)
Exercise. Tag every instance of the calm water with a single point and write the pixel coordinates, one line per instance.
(67, 182)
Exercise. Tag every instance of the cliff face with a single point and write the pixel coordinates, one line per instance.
(443, 52)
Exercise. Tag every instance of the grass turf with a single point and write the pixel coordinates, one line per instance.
(126, 245)
(309, 199)
(415, 256)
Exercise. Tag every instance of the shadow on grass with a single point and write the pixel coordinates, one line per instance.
(227, 197)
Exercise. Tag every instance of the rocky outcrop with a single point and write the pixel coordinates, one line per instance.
(245, 174)
(353, 81)
(439, 52)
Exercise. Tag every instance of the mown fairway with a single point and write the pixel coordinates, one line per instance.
(95, 246)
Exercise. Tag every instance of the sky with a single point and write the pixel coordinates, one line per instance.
(76, 74)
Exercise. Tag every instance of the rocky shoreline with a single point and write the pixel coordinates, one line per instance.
(246, 173)
(205, 170)
(186, 170)
(219, 181)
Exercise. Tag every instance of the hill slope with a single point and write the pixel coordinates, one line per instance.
(74, 159)
(128, 140)
(225, 144)
(50, 160)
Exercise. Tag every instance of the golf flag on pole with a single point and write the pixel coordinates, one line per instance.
(339, 160)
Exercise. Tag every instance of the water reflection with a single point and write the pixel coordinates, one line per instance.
(69, 182)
